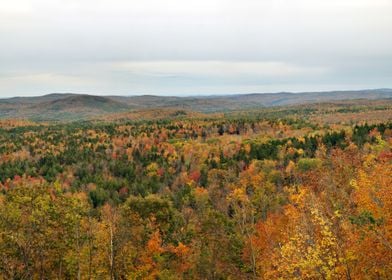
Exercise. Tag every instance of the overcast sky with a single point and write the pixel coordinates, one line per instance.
(184, 47)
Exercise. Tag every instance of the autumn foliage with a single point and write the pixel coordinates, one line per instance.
(228, 197)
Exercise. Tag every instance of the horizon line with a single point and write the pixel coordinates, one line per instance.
(196, 95)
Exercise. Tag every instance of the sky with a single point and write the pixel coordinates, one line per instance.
(184, 47)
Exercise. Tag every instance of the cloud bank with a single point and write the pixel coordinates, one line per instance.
(193, 47)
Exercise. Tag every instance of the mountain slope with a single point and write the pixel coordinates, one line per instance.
(70, 106)
(250, 101)
(61, 107)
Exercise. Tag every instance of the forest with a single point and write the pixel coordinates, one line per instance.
(295, 192)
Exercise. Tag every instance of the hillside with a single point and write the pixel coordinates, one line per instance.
(70, 106)
(60, 107)
(272, 193)
(223, 103)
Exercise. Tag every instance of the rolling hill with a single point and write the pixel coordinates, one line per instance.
(60, 107)
(69, 106)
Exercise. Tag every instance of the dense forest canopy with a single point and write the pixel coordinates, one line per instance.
(299, 192)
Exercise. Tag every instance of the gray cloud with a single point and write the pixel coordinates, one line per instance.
(193, 47)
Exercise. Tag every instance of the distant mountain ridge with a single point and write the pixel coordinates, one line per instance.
(60, 107)
(71, 106)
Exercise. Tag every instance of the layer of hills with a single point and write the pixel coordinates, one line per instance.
(69, 106)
